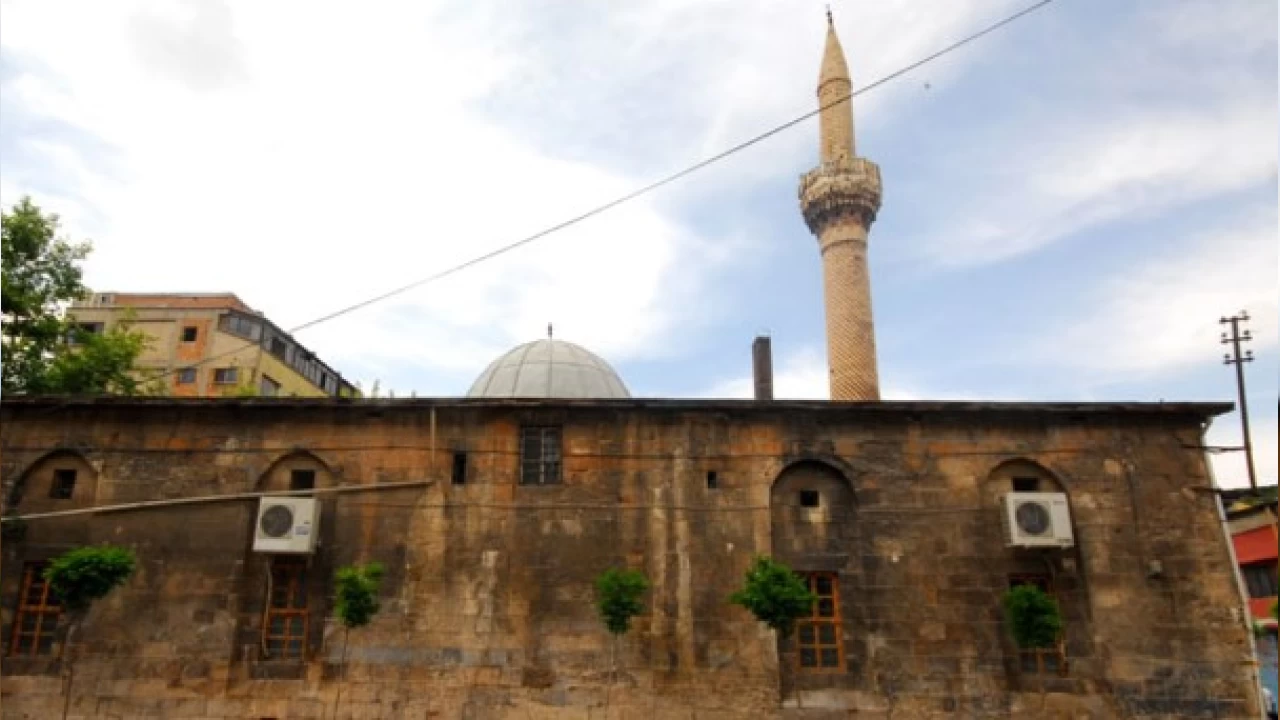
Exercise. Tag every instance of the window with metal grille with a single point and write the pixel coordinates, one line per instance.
(818, 636)
(63, 485)
(284, 629)
(37, 614)
(539, 456)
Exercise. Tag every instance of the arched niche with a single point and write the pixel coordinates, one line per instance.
(298, 470)
(1059, 571)
(811, 507)
(61, 480)
(1020, 475)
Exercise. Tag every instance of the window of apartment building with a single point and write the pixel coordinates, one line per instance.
(186, 376)
(225, 376)
(713, 480)
(79, 330)
(240, 325)
(63, 485)
(278, 347)
(190, 333)
(302, 480)
(818, 636)
(36, 618)
(268, 387)
(284, 629)
(1260, 579)
(1042, 661)
(539, 455)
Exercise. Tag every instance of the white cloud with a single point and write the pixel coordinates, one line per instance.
(1229, 467)
(1183, 111)
(1162, 317)
(311, 156)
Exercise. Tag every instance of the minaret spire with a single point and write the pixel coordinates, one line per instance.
(834, 88)
(840, 199)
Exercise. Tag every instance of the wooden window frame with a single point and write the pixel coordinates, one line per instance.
(815, 621)
(43, 609)
(547, 468)
(293, 571)
(1042, 661)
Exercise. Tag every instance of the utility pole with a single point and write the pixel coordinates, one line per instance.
(1234, 358)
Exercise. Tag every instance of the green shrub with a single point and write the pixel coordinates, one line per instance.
(85, 574)
(774, 594)
(618, 597)
(357, 593)
(1034, 618)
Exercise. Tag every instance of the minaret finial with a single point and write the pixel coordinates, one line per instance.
(830, 21)
(549, 331)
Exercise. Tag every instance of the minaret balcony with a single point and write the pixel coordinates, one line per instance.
(838, 188)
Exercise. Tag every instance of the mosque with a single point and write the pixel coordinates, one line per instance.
(494, 513)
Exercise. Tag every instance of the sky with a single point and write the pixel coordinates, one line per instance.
(1070, 203)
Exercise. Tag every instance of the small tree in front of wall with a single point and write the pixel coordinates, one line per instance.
(775, 595)
(80, 577)
(619, 596)
(356, 588)
(1034, 619)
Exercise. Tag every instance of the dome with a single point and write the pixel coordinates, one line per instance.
(549, 368)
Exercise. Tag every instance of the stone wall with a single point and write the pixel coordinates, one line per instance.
(487, 604)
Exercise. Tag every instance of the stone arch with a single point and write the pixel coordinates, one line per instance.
(1039, 477)
(811, 509)
(286, 471)
(35, 489)
(1061, 571)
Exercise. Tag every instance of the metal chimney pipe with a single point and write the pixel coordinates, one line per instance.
(762, 367)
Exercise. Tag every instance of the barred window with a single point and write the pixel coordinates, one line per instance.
(540, 456)
(284, 629)
(818, 636)
(37, 614)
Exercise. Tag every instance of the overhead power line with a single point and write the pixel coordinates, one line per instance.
(643, 190)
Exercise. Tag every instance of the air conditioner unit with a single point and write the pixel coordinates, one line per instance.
(286, 525)
(1037, 520)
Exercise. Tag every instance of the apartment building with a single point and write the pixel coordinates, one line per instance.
(213, 344)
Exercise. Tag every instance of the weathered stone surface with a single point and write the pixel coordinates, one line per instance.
(487, 604)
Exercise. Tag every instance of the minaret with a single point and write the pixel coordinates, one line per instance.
(839, 200)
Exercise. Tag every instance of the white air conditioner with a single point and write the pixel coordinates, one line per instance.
(286, 525)
(1037, 520)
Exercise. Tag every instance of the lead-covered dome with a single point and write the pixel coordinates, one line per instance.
(549, 368)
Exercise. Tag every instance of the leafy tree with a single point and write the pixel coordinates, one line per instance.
(774, 594)
(38, 275)
(100, 364)
(78, 578)
(356, 588)
(1034, 618)
(618, 597)
(44, 351)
